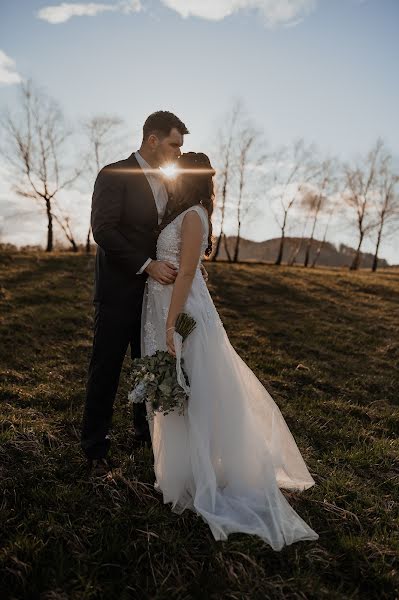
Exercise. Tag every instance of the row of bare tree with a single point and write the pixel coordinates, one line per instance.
(293, 180)
(302, 185)
(37, 144)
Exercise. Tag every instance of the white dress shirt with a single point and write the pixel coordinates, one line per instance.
(158, 189)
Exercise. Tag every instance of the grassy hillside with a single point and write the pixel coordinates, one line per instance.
(324, 342)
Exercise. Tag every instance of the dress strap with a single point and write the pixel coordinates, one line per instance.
(202, 213)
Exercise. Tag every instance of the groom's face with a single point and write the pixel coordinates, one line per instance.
(167, 150)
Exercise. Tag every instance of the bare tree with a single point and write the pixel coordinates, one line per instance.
(247, 159)
(292, 169)
(361, 183)
(317, 200)
(64, 222)
(291, 261)
(386, 203)
(335, 206)
(227, 138)
(35, 150)
(321, 243)
(103, 136)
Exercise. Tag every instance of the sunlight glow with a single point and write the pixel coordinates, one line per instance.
(170, 171)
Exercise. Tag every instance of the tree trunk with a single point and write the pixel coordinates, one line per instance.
(88, 246)
(307, 255)
(217, 250)
(215, 254)
(375, 259)
(226, 247)
(295, 253)
(68, 232)
(356, 259)
(282, 240)
(320, 246)
(280, 251)
(49, 247)
(310, 240)
(237, 248)
(316, 256)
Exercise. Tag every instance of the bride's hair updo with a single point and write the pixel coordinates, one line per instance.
(195, 174)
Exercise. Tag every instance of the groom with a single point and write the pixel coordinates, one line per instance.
(129, 201)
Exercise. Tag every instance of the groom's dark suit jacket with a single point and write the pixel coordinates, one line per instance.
(124, 221)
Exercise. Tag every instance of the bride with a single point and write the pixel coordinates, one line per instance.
(228, 455)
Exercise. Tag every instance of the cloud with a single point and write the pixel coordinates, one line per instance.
(274, 12)
(8, 74)
(60, 13)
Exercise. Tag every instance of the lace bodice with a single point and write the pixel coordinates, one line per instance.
(169, 240)
(157, 296)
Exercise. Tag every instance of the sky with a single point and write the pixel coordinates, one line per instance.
(324, 70)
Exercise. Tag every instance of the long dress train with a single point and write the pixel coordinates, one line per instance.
(228, 455)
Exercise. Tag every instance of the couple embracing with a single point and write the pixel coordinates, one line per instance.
(228, 456)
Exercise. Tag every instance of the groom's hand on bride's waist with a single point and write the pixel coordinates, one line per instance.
(162, 271)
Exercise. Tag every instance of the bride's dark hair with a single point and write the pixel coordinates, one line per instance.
(195, 172)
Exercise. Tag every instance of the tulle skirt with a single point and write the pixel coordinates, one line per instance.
(227, 456)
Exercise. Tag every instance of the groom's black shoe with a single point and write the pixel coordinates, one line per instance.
(141, 438)
(98, 467)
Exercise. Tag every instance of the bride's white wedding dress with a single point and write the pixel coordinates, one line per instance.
(229, 454)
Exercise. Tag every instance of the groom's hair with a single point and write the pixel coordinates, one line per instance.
(161, 123)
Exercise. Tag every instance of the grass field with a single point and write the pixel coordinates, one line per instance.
(324, 342)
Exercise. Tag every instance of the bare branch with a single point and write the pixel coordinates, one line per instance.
(35, 137)
(361, 180)
(291, 168)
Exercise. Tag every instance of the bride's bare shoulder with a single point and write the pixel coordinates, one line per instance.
(199, 210)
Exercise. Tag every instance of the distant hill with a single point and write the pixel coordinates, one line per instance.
(330, 255)
(267, 251)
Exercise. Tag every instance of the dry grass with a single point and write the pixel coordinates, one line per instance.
(324, 342)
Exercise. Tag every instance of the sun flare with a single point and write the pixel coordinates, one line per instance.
(170, 171)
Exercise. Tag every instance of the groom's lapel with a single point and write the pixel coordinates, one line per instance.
(168, 206)
(133, 164)
(169, 202)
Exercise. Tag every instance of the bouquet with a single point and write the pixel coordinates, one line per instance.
(160, 378)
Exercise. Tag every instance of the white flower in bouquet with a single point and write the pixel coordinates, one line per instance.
(137, 394)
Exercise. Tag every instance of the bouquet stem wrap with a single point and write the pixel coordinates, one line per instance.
(178, 341)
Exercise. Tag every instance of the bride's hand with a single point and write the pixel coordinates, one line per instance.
(170, 344)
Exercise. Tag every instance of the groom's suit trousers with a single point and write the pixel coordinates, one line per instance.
(115, 327)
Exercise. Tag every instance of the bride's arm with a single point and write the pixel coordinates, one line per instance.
(190, 252)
